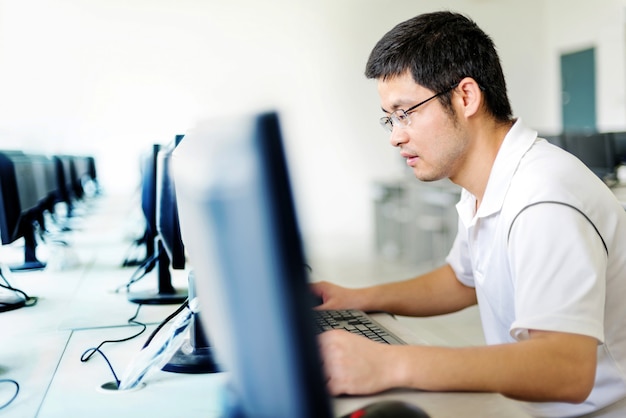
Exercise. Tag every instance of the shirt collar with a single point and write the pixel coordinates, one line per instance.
(515, 144)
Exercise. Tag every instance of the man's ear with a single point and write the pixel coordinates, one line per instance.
(471, 96)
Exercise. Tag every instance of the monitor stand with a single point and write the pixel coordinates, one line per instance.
(31, 262)
(195, 355)
(166, 294)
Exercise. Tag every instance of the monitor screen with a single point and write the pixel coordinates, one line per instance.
(21, 203)
(65, 189)
(239, 227)
(596, 150)
(10, 209)
(619, 140)
(45, 180)
(27, 190)
(557, 140)
(158, 254)
(84, 178)
(148, 188)
(167, 224)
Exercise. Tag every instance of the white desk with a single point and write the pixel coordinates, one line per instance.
(41, 346)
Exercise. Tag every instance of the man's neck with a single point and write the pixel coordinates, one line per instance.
(486, 142)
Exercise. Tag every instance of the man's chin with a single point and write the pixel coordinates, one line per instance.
(425, 177)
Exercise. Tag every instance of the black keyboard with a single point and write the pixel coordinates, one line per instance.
(356, 322)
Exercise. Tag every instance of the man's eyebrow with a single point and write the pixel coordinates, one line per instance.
(394, 107)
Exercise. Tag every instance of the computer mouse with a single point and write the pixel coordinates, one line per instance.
(388, 409)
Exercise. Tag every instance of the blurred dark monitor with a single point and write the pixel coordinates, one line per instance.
(148, 190)
(160, 216)
(239, 226)
(85, 182)
(596, 150)
(619, 140)
(45, 178)
(23, 194)
(74, 179)
(66, 193)
(555, 139)
(46, 186)
(167, 223)
(196, 354)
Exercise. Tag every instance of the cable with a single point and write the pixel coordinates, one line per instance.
(106, 359)
(165, 321)
(136, 243)
(87, 354)
(17, 390)
(30, 300)
(131, 320)
(141, 271)
(159, 352)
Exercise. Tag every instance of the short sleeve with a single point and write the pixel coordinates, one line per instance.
(558, 263)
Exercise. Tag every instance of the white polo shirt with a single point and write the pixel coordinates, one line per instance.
(546, 250)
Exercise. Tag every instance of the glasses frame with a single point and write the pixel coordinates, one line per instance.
(400, 117)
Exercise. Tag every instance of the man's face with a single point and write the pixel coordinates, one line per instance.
(434, 141)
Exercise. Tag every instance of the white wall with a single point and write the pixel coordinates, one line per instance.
(579, 25)
(110, 77)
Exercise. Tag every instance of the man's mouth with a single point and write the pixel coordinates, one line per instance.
(411, 159)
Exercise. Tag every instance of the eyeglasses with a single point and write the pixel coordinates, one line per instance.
(400, 117)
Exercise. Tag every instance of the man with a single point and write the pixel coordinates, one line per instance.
(541, 245)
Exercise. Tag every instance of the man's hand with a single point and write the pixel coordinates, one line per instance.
(353, 364)
(547, 367)
(336, 297)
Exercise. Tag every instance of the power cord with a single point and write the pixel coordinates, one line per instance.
(141, 272)
(128, 261)
(165, 321)
(12, 398)
(29, 300)
(89, 353)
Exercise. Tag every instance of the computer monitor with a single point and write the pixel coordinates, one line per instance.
(66, 193)
(555, 139)
(23, 197)
(46, 186)
(239, 226)
(78, 171)
(196, 355)
(596, 150)
(619, 140)
(86, 184)
(166, 210)
(147, 167)
(10, 214)
(162, 231)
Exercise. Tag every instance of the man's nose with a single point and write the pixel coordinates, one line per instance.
(398, 136)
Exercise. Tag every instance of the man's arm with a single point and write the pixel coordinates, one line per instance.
(549, 366)
(433, 293)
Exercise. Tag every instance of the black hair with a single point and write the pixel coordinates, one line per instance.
(440, 49)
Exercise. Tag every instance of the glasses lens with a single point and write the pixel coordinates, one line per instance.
(386, 123)
(400, 118)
